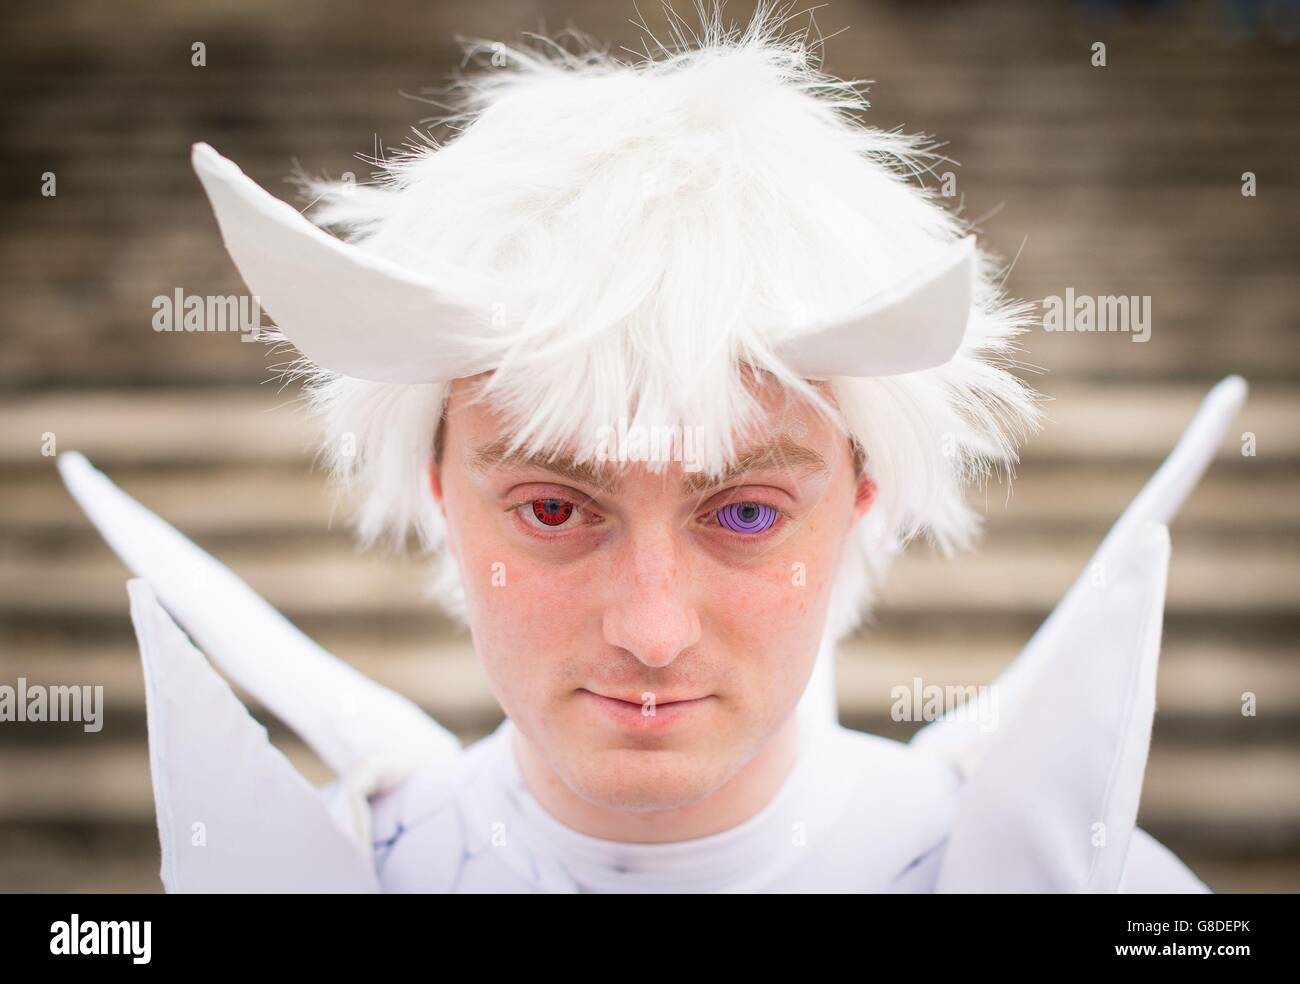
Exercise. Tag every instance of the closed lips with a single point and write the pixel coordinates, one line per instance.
(654, 699)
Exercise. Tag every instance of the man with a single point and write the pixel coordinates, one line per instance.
(708, 246)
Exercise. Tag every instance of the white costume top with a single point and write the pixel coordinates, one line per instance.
(858, 813)
(1047, 802)
(473, 826)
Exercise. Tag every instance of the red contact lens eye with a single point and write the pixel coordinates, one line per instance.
(552, 512)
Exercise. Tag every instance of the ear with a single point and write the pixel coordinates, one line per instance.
(864, 496)
(435, 485)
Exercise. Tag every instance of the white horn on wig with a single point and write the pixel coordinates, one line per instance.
(917, 323)
(359, 314)
(344, 308)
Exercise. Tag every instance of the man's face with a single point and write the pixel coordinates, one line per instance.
(648, 635)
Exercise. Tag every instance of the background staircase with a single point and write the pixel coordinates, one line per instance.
(1116, 180)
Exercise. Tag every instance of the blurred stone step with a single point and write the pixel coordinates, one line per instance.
(214, 500)
(327, 135)
(305, 65)
(200, 426)
(79, 858)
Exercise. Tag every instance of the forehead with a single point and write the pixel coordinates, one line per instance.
(790, 436)
(780, 454)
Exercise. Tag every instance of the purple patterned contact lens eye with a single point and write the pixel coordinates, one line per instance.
(552, 512)
(747, 517)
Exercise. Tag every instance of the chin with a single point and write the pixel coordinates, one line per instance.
(644, 780)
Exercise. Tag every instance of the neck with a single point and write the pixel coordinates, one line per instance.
(740, 798)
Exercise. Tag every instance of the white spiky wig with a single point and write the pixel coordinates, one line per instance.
(671, 219)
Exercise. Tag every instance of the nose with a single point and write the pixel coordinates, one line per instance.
(650, 613)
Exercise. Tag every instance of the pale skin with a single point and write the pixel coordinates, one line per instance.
(643, 593)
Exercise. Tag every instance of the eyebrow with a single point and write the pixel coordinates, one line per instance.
(781, 453)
